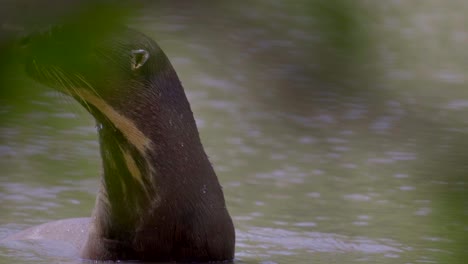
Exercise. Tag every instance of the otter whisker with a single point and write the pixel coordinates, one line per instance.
(60, 76)
(62, 80)
(48, 74)
(67, 84)
(73, 89)
(82, 79)
(41, 72)
(54, 70)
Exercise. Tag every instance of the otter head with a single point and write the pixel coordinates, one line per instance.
(90, 65)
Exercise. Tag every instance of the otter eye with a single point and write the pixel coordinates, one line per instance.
(139, 58)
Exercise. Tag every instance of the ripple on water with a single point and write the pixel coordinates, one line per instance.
(406, 188)
(357, 197)
(458, 104)
(279, 241)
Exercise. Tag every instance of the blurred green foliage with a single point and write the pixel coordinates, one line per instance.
(19, 19)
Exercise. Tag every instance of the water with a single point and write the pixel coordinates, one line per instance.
(358, 166)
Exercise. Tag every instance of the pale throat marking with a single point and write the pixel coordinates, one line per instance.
(132, 166)
(122, 123)
(128, 129)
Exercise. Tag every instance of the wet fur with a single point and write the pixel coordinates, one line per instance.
(179, 213)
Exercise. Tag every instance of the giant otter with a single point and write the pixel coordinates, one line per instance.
(159, 199)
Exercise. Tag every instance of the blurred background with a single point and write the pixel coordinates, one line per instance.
(338, 128)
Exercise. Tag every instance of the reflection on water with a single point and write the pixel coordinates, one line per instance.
(310, 175)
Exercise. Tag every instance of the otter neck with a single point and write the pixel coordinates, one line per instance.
(155, 168)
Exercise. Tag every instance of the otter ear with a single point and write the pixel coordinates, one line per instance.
(139, 58)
